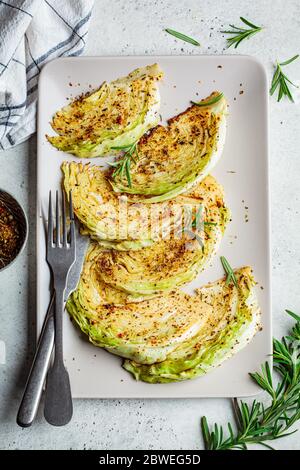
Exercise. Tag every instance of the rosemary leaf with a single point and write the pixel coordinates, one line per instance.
(247, 22)
(182, 36)
(294, 315)
(214, 224)
(213, 100)
(287, 62)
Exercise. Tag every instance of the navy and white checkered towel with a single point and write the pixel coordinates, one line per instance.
(33, 32)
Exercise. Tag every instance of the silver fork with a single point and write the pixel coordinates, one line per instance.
(60, 257)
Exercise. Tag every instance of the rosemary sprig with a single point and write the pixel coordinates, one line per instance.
(239, 33)
(281, 81)
(191, 224)
(257, 423)
(122, 166)
(213, 100)
(198, 218)
(182, 36)
(230, 276)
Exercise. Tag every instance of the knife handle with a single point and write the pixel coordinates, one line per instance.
(37, 375)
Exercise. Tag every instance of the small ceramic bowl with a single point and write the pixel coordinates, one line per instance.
(18, 212)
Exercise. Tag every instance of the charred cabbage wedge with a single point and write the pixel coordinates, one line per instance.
(174, 261)
(169, 160)
(118, 221)
(233, 321)
(145, 331)
(117, 114)
(173, 337)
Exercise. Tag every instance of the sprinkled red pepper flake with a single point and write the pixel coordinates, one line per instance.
(9, 235)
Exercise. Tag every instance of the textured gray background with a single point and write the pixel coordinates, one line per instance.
(136, 27)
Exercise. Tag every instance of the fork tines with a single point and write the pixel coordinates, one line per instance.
(60, 236)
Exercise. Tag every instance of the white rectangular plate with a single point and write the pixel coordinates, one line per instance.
(243, 170)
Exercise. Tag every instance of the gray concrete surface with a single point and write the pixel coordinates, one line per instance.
(136, 27)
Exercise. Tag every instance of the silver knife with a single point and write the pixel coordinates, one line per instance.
(37, 375)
